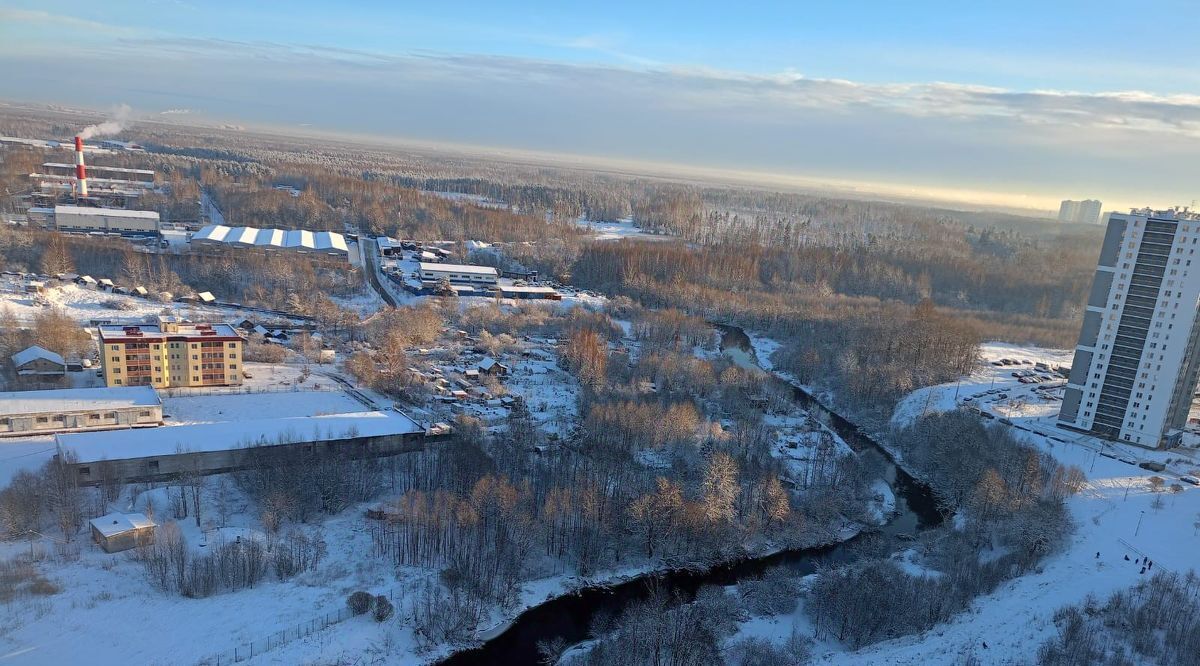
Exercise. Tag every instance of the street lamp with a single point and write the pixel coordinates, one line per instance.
(1139, 525)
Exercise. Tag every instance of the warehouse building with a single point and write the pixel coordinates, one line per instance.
(295, 240)
(107, 220)
(66, 410)
(459, 274)
(171, 354)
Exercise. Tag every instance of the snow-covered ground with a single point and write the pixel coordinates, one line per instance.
(83, 305)
(624, 228)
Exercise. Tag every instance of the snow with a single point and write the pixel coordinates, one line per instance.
(74, 400)
(624, 228)
(84, 305)
(189, 409)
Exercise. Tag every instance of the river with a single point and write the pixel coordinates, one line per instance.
(569, 617)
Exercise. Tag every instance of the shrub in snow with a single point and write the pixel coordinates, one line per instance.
(383, 608)
(359, 602)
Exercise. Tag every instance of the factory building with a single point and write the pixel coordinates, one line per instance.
(67, 410)
(459, 274)
(1138, 356)
(296, 240)
(107, 220)
(171, 354)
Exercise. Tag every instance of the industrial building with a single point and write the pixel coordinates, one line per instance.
(171, 354)
(459, 274)
(65, 410)
(107, 220)
(1136, 364)
(296, 240)
(1080, 212)
(38, 361)
(160, 454)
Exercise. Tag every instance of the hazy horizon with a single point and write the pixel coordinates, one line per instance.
(811, 97)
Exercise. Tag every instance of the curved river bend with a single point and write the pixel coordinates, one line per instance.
(569, 616)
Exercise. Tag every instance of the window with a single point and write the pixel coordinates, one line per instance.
(93, 417)
(84, 471)
(145, 414)
(59, 418)
(233, 345)
(110, 415)
(195, 378)
(152, 465)
(42, 419)
(116, 381)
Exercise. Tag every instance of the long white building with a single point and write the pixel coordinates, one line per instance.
(1136, 363)
(297, 240)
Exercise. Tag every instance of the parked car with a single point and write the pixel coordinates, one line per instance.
(1153, 466)
(1003, 396)
(1190, 479)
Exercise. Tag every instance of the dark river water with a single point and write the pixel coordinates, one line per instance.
(569, 617)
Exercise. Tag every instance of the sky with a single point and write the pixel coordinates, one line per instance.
(1019, 103)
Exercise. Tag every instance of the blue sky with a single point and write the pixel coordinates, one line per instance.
(1031, 101)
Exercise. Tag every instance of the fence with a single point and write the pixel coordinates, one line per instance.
(248, 650)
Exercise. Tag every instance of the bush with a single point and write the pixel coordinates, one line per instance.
(383, 608)
(359, 602)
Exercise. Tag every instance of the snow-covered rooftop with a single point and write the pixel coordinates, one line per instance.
(35, 353)
(296, 239)
(110, 212)
(458, 268)
(168, 440)
(119, 523)
(71, 400)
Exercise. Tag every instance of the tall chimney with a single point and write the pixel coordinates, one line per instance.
(80, 170)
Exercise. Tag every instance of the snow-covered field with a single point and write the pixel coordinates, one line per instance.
(624, 228)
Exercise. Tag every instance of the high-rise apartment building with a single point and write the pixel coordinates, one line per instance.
(1136, 363)
(1080, 212)
(170, 354)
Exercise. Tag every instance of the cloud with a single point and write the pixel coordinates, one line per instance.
(42, 18)
(1133, 145)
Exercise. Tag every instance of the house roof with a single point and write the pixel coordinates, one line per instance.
(36, 353)
(119, 523)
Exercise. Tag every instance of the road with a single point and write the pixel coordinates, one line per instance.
(370, 250)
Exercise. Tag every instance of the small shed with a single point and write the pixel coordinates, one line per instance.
(206, 297)
(35, 287)
(141, 291)
(116, 532)
(86, 281)
(38, 361)
(106, 284)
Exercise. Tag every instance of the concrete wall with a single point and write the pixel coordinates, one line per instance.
(96, 419)
(168, 467)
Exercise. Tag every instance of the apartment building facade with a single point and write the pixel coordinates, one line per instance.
(1136, 363)
(171, 354)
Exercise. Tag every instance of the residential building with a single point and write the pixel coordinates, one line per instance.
(1136, 363)
(66, 410)
(38, 361)
(459, 273)
(1080, 212)
(171, 354)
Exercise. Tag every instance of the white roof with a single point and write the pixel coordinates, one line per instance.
(242, 236)
(168, 440)
(93, 167)
(269, 238)
(458, 268)
(213, 232)
(119, 523)
(15, 403)
(87, 278)
(487, 363)
(110, 212)
(326, 240)
(527, 290)
(206, 296)
(35, 353)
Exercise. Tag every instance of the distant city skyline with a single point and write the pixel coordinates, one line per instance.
(976, 104)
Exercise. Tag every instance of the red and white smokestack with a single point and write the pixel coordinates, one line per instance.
(80, 170)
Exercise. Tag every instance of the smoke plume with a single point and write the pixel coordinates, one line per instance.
(118, 122)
